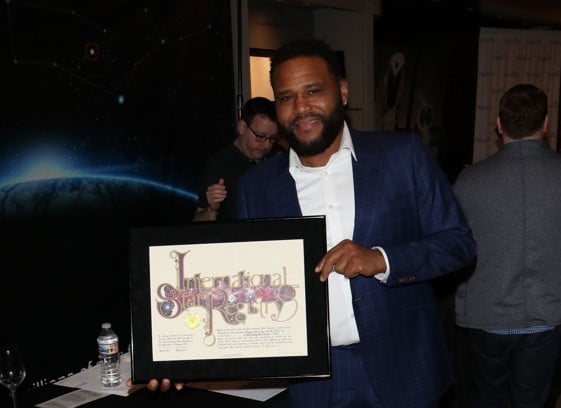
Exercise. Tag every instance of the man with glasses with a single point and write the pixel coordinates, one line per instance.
(256, 135)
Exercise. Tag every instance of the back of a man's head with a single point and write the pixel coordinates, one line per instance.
(522, 110)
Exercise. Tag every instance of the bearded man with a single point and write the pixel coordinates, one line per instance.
(392, 225)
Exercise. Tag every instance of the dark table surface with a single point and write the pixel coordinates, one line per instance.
(188, 397)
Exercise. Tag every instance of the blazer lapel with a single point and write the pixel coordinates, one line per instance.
(284, 200)
(368, 182)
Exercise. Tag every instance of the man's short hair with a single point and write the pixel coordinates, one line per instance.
(307, 48)
(258, 106)
(522, 110)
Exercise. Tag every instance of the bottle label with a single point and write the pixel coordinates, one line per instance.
(111, 348)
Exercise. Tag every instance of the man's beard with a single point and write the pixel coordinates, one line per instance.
(332, 125)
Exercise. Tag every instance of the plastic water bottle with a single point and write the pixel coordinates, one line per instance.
(109, 358)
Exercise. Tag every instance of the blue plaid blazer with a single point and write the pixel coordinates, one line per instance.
(404, 203)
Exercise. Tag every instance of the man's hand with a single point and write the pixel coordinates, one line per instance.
(351, 260)
(215, 194)
(154, 385)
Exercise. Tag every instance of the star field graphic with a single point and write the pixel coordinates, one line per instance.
(109, 108)
(125, 90)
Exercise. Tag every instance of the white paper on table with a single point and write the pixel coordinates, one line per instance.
(89, 380)
(72, 399)
(260, 390)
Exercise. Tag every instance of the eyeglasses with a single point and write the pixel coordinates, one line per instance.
(260, 137)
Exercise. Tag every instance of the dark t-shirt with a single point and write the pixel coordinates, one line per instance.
(229, 164)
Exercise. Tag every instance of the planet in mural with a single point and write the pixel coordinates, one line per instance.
(69, 196)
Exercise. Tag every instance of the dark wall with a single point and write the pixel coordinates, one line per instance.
(109, 110)
(440, 46)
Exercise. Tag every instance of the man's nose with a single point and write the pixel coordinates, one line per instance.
(301, 104)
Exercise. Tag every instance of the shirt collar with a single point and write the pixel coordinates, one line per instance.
(346, 144)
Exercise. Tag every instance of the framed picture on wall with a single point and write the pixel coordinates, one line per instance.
(259, 66)
(229, 301)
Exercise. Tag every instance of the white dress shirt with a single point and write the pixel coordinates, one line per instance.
(329, 191)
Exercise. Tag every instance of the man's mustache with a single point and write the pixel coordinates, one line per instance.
(293, 122)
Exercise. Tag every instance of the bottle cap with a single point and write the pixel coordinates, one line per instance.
(105, 325)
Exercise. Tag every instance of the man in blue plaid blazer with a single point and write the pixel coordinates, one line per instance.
(392, 222)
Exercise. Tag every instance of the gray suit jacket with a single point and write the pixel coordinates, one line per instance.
(512, 202)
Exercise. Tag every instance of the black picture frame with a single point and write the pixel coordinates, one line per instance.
(158, 303)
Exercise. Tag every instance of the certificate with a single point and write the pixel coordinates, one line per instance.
(238, 300)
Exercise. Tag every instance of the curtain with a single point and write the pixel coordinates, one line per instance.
(508, 57)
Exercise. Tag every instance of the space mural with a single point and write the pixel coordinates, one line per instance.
(109, 109)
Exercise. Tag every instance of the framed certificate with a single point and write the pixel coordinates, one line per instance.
(213, 301)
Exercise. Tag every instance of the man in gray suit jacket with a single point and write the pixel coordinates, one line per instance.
(511, 303)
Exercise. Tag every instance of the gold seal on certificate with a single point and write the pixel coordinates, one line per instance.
(192, 320)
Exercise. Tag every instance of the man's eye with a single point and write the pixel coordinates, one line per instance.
(285, 98)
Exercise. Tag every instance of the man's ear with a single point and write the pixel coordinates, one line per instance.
(545, 124)
(344, 90)
(499, 127)
(241, 126)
